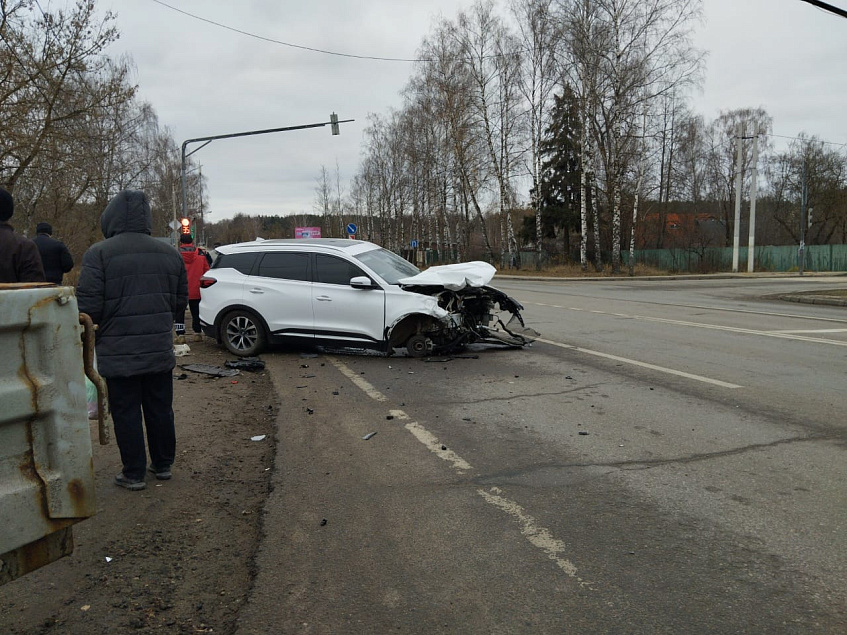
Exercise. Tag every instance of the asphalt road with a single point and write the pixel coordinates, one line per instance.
(668, 459)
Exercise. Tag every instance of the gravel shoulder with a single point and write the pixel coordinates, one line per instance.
(177, 557)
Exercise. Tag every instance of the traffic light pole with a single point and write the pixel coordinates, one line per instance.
(332, 122)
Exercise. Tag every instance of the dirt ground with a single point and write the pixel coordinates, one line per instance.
(176, 557)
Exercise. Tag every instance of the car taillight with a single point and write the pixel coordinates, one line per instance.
(205, 282)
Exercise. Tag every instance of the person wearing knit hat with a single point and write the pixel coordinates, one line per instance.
(196, 265)
(19, 258)
(55, 257)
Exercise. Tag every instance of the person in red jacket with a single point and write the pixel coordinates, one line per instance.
(196, 265)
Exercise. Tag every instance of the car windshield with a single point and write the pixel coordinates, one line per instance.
(388, 265)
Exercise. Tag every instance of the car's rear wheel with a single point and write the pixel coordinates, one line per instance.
(243, 333)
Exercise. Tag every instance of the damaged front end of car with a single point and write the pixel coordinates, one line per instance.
(476, 313)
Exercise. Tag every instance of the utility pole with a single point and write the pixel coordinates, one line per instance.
(199, 239)
(175, 224)
(751, 237)
(736, 238)
(801, 254)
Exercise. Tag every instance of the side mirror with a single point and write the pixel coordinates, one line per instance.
(361, 282)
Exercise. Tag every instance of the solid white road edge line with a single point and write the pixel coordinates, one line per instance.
(715, 327)
(633, 362)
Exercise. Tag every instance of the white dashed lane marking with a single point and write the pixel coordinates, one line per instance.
(539, 537)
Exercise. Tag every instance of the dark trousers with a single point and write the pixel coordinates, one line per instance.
(194, 307)
(151, 395)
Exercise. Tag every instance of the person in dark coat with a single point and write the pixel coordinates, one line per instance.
(19, 259)
(196, 265)
(134, 287)
(55, 257)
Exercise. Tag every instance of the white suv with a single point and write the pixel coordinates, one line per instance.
(349, 293)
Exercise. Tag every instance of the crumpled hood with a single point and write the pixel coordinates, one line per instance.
(129, 211)
(453, 277)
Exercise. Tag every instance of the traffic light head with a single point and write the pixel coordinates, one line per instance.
(185, 226)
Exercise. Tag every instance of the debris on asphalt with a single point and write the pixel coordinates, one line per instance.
(258, 437)
(251, 364)
(310, 411)
(323, 522)
(583, 433)
(209, 369)
(181, 376)
(369, 435)
(389, 417)
(181, 350)
(335, 392)
(466, 418)
(443, 447)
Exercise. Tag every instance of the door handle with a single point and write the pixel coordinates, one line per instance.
(256, 290)
(323, 298)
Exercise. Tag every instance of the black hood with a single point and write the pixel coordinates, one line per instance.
(129, 211)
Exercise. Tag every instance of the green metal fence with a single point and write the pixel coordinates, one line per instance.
(767, 258)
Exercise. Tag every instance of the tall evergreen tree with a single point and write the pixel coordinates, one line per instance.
(560, 172)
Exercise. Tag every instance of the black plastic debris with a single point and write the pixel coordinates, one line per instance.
(369, 435)
(251, 364)
(209, 369)
(389, 417)
(310, 411)
(323, 522)
(181, 376)
(336, 393)
(443, 447)
(583, 433)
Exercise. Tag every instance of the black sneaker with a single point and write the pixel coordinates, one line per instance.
(130, 483)
(161, 475)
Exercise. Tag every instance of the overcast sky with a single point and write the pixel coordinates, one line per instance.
(784, 55)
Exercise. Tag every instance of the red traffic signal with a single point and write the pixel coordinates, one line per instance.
(185, 226)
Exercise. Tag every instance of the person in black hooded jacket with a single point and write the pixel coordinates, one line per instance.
(134, 287)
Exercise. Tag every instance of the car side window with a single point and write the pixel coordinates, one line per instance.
(240, 262)
(332, 270)
(286, 266)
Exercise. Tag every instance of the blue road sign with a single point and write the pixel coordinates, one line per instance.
(351, 228)
(414, 244)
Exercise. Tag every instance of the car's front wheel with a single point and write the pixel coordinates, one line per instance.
(242, 333)
(419, 346)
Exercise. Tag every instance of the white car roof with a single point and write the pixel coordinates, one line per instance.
(329, 245)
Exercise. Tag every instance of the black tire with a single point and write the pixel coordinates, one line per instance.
(243, 333)
(418, 346)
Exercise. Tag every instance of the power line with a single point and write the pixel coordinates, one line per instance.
(779, 136)
(289, 44)
(827, 7)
